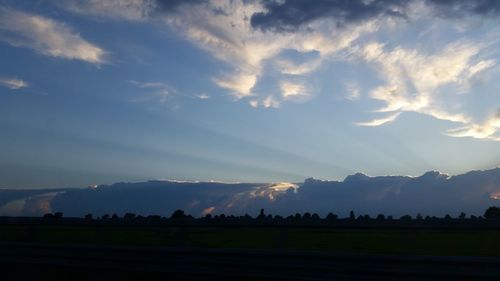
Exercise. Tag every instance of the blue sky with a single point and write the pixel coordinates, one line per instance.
(96, 92)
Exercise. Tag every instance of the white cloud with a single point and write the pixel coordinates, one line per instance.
(158, 91)
(203, 96)
(148, 85)
(240, 84)
(380, 121)
(488, 130)
(254, 103)
(288, 67)
(415, 81)
(294, 91)
(352, 90)
(47, 37)
(13, 83)
(270, 102)
(480, 66)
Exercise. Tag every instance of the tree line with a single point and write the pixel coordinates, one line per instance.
(179, 215)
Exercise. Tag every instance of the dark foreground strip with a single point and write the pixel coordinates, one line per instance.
(67, 262)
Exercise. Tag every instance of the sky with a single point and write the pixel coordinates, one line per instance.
(96, 92)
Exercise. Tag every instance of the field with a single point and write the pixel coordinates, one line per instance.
(437, 242)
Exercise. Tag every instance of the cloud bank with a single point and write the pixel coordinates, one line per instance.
(432, 193)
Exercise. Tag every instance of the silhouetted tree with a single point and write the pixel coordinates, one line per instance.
(419, 217)
(315, 217)
(447, 217)
(492, 213)
(48, 216)
(261, 215)
(332, 217)
(462, 216)
(352, 216)
(380, 217)
(129, 216)
(105, 217)
(178, 214)
(89, 217)
(58, 215)
(405, 217)
(115, 217)
(306, 216)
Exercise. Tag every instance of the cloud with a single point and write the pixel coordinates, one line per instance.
(223, 29)
(488, 130)
(381, 121)
(352, 90)
(47, 37)
(460, 8)
(291, 15)
(255, 39)
(135, 10)
(130, 10)
(158, 91)
(270, 102)
(203, 96)
(432, 193)
(288, 67)
(13, 83)
(147, 85)
(240, 84)
(294, 91)
(416, 81)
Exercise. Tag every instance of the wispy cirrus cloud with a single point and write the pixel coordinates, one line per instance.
(13, 83)
(135, 10)
(47, 37)
(353, 92)
(202, 96)
(416, 81)
(380, 121)
(240, 84)
(154, 91)
(487, 130)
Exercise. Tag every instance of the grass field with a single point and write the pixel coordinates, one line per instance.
(383, 241)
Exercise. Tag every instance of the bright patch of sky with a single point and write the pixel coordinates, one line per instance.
(123, 90)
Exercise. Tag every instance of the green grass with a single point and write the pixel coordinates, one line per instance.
(422, 242)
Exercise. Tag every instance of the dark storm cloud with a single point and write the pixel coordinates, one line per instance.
(172, 5)
(460, 8)
(289, 15)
